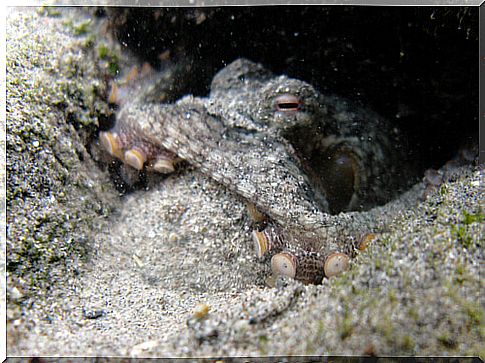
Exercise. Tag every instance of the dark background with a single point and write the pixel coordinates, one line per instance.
(416, 66)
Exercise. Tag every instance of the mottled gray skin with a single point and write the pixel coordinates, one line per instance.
(243, 97)
(240, 138)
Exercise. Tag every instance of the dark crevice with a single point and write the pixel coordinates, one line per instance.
(416, 66)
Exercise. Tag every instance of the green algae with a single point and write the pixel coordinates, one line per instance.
(54, 101)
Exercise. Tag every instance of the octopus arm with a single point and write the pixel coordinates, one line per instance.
(260, 168)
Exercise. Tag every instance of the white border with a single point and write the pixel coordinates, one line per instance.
(3, 164)
(179, 3)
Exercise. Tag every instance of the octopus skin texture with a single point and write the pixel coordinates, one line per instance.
(298, 157)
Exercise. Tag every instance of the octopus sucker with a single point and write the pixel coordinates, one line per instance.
(366, 239)
(299, 257)
(296, 156)
(111, 143)
(129, 86)
(336, 263)
(136, 152)
(260, 243)
(255, 214)
(266, 242)
(284, 264)
(113, 97)
(308, 266)
(163, 165)
(135, 158)
(270, 239)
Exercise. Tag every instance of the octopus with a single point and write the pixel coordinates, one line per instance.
(309, 165)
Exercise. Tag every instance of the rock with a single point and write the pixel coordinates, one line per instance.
(57, 197)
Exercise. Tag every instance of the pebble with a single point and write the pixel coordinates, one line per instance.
(15, 293)
(241, 325)
(173, 237)
(201, 311)
(93, 314)
(144, 347)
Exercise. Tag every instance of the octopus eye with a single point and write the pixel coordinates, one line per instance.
(286, 103)
(336, 263)
(283, 264)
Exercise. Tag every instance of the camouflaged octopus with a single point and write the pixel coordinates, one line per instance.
(298, 158)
